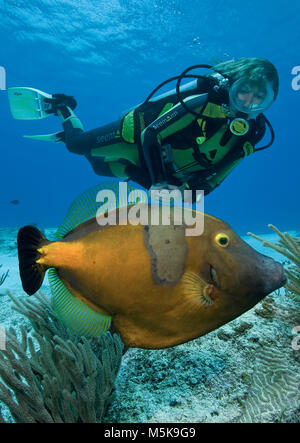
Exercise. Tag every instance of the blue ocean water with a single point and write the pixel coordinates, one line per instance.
(110, 55)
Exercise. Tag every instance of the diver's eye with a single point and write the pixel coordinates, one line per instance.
(258, 98)
(222, 240)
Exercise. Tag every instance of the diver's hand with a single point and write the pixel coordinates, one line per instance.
(58, 101)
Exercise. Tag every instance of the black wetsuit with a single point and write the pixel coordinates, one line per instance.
(161, 141)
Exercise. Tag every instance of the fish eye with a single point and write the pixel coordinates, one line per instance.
(222, 240)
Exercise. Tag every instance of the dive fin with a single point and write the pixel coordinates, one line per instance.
(56, 137)
(30, 239)
(28, 103)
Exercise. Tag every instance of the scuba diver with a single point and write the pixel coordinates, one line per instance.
(191, 137)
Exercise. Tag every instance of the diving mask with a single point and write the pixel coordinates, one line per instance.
(251, 96)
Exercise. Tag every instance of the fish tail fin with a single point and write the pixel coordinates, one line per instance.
(30, 239)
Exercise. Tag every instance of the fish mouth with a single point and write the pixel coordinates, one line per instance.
(214, 277)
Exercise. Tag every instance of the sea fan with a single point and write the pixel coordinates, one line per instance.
(53, 375)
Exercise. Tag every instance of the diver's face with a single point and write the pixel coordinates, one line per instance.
(249, 95)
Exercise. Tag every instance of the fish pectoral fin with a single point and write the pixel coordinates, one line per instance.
(196, 290)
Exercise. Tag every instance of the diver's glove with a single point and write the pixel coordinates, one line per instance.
(59, 101)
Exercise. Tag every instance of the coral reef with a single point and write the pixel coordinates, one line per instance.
(52, 375)
(274, 387)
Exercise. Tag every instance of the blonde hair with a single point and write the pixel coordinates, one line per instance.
(255, 69)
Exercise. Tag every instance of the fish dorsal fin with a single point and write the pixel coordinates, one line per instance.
(75, 314)
(85, 207)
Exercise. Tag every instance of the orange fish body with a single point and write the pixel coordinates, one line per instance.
(159, 286)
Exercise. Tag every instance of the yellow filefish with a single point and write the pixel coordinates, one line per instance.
(157, 286)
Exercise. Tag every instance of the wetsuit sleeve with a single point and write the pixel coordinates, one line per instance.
(165, 125)
(76, 139)
(73, 129)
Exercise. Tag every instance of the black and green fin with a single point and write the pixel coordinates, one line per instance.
(30, 239)
(56, 137)
(85, 207)
(72, 312)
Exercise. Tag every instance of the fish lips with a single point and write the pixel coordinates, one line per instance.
(262, 279)
(274, 279)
